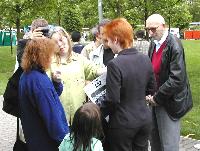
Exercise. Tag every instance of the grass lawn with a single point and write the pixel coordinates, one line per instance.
(7, 63)
(190, 123)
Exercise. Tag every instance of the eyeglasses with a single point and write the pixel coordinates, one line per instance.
(153, 29)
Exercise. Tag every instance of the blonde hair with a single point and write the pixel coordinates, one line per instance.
(61, 31)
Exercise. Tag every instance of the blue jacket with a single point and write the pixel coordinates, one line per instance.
(42, 115)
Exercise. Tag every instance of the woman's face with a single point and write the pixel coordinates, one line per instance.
(62, 43)
(113, 45)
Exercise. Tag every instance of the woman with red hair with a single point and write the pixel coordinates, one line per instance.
(42, 115)
(129, 79)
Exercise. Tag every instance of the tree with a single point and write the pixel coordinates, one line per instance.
(72, 20)
(19, 12)
(195, 10)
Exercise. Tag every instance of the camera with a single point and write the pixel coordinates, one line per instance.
(45, 31)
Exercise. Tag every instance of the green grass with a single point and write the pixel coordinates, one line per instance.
(190, 123)
(7, 63)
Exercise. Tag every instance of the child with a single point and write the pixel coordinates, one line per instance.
(85, 127)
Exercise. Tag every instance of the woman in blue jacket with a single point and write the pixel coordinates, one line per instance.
(42, 115)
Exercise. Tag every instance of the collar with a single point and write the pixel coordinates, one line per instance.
(128, 51)
(139, 39)
(164, 37)
(98, 51)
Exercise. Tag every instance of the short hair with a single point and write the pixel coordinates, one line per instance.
(94, 31)
(119, 28)
(140, 34)
(76, 36)
(156, 18)
(38, 23)
(62, 32)
(38, 53)
(103, 23)
(86, 124)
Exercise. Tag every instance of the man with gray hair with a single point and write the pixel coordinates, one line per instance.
(103, 54)
(173, 97)
(92, 45)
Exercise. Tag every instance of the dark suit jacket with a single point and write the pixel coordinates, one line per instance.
(129, 79)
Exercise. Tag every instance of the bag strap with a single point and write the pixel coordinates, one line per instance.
(17, 134)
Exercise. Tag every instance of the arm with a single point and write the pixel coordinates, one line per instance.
(151, 86)
(50, 110)
(113, 86)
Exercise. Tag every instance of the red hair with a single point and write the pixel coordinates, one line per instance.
(119, 28)
(38, 52)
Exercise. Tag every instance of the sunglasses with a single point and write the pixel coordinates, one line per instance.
(153, 29)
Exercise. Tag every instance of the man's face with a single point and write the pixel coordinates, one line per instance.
(155, 30)
(103, 41)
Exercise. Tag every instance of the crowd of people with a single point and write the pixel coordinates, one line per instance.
(147, 89)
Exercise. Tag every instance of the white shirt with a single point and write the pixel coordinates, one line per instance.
(159, 43)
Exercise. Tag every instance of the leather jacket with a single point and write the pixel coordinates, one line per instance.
(174, 91)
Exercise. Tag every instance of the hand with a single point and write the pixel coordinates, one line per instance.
(56, 76)
(36, 34)
(150, 100)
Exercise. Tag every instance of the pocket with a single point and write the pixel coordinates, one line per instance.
(180, 104)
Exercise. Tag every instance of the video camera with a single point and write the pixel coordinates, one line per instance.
(45, 31)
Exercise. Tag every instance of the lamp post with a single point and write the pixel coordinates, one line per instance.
(100, 12)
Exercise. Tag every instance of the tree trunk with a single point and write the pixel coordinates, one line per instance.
(145, 17)
(118, 8)
(18, 27)
(11, 39)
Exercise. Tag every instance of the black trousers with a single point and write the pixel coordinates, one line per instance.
(124, 139)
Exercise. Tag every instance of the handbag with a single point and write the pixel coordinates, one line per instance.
(19, 145)
(11, 101)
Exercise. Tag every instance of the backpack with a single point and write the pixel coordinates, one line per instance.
(11, 101)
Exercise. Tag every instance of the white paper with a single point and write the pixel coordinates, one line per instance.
(96, 90)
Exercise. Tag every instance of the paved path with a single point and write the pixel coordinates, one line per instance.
(8, 126)
(8, 133)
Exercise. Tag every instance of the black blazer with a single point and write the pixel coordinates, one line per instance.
(129, 79)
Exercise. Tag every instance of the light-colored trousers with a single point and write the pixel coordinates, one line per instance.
(165, 135)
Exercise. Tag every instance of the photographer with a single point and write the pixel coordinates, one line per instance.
(39, 28)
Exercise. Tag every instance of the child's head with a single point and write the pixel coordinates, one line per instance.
(86, 124)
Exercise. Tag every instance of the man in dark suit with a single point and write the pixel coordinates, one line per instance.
(129, 79)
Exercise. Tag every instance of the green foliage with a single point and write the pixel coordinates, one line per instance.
(89, 11)
(72, 20)
(195, 10)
